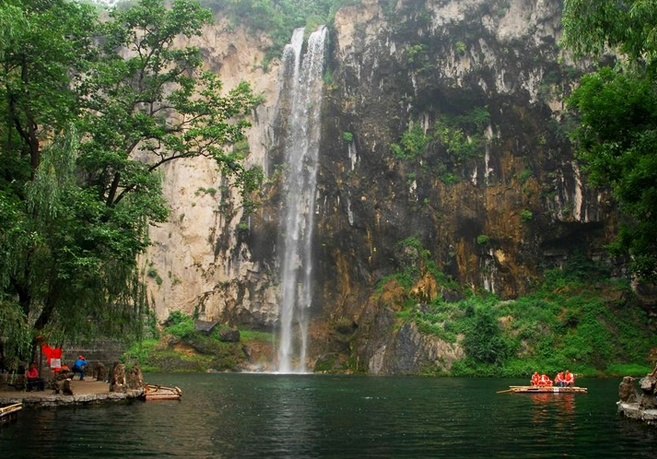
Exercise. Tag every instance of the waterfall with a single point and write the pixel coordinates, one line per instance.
(303, 81)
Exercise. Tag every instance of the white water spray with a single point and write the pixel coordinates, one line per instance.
(304, 81)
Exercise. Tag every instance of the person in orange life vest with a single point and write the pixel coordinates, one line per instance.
(545, 380)
(559, 380)
(570, 378)
(536, 379)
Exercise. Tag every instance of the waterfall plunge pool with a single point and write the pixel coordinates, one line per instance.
(321, 416)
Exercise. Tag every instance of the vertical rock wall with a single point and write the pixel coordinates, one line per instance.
(493, 219)
(201, 259)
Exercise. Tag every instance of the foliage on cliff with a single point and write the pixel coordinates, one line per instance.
(91, 110)
(181, 348)
(278, 18)
(617, 109)
(578, 318)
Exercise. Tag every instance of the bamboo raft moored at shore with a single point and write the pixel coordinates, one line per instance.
(10, 412)
(544, 390)
(155, 392)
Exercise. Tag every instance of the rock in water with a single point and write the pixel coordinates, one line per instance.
(627, 391)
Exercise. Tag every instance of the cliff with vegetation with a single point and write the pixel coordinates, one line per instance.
(455, 232)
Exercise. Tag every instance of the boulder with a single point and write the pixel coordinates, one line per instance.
(627, 391)
(204, 326)
(63, 386)
(229, 336)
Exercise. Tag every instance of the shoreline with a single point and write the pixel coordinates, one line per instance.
(84, 393)
(634, 411)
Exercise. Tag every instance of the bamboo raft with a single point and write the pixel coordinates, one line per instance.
(155, 392)
(10, 412)
(544, 390)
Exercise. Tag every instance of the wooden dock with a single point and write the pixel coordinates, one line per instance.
(10, 412)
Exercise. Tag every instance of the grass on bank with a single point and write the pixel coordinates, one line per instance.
(180, 348)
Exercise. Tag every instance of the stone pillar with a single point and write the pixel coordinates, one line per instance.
(99, 372)
(648, 386)
(118, 380)
(135, 378)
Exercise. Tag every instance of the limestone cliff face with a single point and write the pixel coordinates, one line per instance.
(200, 260)
(493, 219)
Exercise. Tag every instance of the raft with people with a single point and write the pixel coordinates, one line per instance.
(541, 384)
(545, 389)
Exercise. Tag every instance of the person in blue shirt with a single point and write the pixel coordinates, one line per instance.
(80, 366)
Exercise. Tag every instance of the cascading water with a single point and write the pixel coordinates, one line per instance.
(304, 83)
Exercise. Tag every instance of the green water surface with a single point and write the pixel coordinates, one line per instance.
(311, 416)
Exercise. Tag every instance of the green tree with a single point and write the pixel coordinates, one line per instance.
(90, 111)
(617, 108)
(484, 341)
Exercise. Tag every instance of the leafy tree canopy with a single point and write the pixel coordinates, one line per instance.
(89, 112)
(617, 108)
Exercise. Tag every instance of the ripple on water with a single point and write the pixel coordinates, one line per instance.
(301, 416)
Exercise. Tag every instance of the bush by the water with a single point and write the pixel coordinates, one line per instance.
(578, 319)
(181, 348)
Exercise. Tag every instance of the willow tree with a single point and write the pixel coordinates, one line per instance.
(112, 101)
(617, 108)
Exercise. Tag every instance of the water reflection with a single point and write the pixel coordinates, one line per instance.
(294, 413)
(299, 417)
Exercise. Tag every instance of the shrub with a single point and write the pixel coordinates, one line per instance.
(526, 215)
(484, 341)
(179, 325)
(482, 239)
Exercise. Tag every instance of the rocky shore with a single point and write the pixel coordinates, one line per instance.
(641, 406)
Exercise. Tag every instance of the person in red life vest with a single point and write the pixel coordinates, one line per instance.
(536, 379)
(545, 380)
(33, 380)
(559, 380)
(570, 379)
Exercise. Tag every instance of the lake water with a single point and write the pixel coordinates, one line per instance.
(312, 416)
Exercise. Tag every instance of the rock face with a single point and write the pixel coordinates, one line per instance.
(200, 260)
(493, 193)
